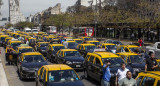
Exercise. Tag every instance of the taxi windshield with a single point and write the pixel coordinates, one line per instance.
(25, 50)
(2, 38)
(71, 44)
(110, 47)
(71, 53)
(86, 39)
(96, 43)
(33, 58)
(15, 44)
(62, 76)
(136, 59)
(79, 41)
(28, 30)
(44, 45)
(134, 49)
(57, 48)
(90, 47)
(115, 62)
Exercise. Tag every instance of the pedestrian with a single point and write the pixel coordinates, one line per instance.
(128, 80)
(140, 41)
(121, 73)
(27, 42)
(106, 74)
(132, 36)
(151, 63)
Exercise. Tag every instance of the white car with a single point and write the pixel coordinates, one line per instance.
(34, 30)
(154, 48)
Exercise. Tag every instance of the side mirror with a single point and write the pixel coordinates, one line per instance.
(82, 77)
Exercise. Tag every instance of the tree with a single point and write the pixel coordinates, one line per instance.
(22, 25)
(9, 25)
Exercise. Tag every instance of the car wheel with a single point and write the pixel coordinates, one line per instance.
(20, 75)
(86, 74)
(102, 84)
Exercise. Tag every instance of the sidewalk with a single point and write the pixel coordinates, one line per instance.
(3, 78)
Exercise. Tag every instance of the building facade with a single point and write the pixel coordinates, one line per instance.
(15, 16)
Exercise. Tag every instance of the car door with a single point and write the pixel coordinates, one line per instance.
(19, 61)
(43, 79)
(97, 69)
(90, 66)
(83, 51)
(139, 80)
(148, 81)
(61, 57)
(39, 77)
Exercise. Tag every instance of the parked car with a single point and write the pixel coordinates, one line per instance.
(57, 75)
(70, 57)
(28, 63)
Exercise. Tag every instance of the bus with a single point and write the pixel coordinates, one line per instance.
(83, 31)
(50, 29)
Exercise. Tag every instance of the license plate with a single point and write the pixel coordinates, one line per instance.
(78, 65)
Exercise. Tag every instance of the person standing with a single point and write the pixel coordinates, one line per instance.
(106, 74)
(121, 73)
(128, 80)
(151, 63)
(140, 42)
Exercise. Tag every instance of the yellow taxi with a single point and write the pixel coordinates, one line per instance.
(6, 41)
(70, 44)
(54, 41)
(110, 47)
(94, 62)
(24, 49)
(42, 47)
(2, 39)
(85, 38)
(71, 57)
(28, 63)
(128, 48)
(48, 38)
(78, 41)
(14, 43)
(52, 50)
(134, 60)
(150, 78)
(57, 75)
(85, 48)
(97, 43)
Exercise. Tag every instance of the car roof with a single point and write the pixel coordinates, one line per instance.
(88, 44)
(93, 41)
(106, 54)
(42, 42)
(69, 41)
(130, 46)
(127, 53)
(24, 47)
(68, 50)
(57, 45)
(32, 53)
(77, 39)
(15, 41)
(153, 73)
(108, 44)
(57, 67)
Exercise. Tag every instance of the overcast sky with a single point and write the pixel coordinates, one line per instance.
(33, 6)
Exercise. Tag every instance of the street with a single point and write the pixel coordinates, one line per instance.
(13, 78)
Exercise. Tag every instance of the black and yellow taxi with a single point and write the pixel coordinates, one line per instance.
(134, 60)
(23, 49)
(85, 48)
(48, 38)
(52, 50)
(57, 75)
(14, 43)
(54, 41)
(93, 65)
(128, 48)
(6, 41)
(150, 78)
(42, 47)
(97, 43)
(28, 63)
(11, 55)
(85, 38)
(39, 40)
(70, 57)
(2, 39)
(31, 39)
(110, 47)
(78, 41)
(70, 44)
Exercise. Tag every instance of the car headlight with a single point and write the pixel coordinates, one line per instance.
(68, 62)
(24, 68)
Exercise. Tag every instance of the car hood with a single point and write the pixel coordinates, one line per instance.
(74, 58)
(138, 65)
(75, 83)
(34, 65)
(43, 48)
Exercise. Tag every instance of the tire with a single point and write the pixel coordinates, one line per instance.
(20, 76)
(86, 74)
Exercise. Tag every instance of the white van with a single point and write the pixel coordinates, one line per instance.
(27, 30)
(34, 30)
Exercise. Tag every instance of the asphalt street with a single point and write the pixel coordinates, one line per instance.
(13, 77)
